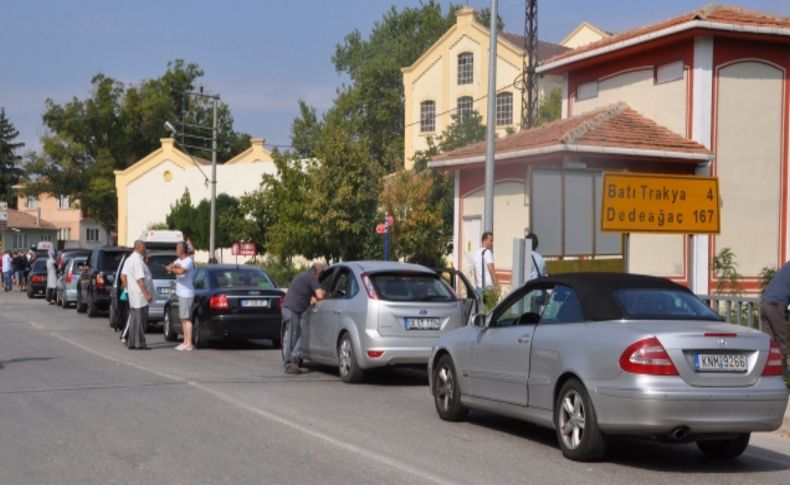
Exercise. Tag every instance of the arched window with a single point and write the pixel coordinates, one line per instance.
(464, 107)
(427, 116)
(466, 63)
(504, 109)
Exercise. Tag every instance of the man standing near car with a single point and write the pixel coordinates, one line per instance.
(485, 275)
(303, 292)
(773, 312)
(184, 268)
(140, 286)
(8, 271)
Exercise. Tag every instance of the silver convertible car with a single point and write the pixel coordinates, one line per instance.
(379, 314)
(598, 355)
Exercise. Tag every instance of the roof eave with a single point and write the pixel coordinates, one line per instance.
(675, 29)
(698, 157)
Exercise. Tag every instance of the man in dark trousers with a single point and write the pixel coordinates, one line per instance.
(303, 292)
(773, 311)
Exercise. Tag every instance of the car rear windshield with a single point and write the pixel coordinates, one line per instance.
(662, 304)
(40, 265)
(241, 277)
(157, 265)
(400, 286)
(109, 260)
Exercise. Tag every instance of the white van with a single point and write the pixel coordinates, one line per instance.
(162, 238)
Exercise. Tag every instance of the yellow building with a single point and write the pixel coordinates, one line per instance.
(148, 189)
(451, 76)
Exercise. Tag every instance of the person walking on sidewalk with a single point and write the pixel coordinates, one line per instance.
(303, 292)
(184, 269)
(773, 312)
(8, 271)
(140, 286)
(52, 276)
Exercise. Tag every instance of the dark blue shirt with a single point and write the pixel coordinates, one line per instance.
(778, 290)
(301, 289)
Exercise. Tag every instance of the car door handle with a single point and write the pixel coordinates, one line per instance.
(337, 311)
(524, 339)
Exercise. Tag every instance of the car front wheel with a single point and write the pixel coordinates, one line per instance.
(170, 334)
(725, 449)
(446, 391)
(576, 424)
(347, 365)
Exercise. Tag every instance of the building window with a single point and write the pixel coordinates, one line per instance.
(63, 202)
(464, 106)
(32, 202)
(92, 235)
(46, 237)
(466, 62)
(587, 91)
(427, 116)
(64, 234)
(504, 109)
(669, 72)
(20, 241)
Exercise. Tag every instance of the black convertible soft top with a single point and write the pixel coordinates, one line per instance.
(596, 290)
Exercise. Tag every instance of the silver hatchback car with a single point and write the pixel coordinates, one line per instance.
(378, 314)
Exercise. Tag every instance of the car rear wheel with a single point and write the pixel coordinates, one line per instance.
(113, 317)
(92, 310)
(725, 449)
(347, 365)
(576, 424)
(198, 335)
(30, 292)
(167, 328)
(446, 392)
(81, 307)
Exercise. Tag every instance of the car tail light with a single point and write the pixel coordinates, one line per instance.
(375, 354)
(774, 366)
(369, 287)
(647, 356)
(38, 279)
(68, 277)
(282, 301)
(721, 334)
(99, 281)
(219, 302)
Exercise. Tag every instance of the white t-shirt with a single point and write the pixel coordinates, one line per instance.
(481, 255)
(184, 286)
(135, 269)
(7, 263)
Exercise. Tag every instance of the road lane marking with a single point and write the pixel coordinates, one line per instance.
(331, 440)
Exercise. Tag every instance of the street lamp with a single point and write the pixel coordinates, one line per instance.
(169, 127)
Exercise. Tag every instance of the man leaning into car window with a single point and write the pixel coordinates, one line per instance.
(303, 292)
(773, 311)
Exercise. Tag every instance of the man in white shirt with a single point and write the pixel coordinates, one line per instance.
(485, 276)
(140, 286)
(8, 271)
(184, 269)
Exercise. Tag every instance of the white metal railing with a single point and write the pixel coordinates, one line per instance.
(741, 310)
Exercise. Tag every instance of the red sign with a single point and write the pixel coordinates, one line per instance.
(243, 249)
(388, 220)
(381, 229)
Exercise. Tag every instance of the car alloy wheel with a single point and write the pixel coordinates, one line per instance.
(350, 372)
(576, 424)
(446, 393)
(167, 327)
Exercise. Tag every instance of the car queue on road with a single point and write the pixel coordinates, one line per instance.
(593, 356)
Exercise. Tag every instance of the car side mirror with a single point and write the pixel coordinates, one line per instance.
(480, 320)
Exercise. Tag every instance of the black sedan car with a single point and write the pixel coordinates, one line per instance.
(231, 302)
(37, 279)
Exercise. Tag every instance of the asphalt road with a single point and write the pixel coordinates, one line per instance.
(77, 407)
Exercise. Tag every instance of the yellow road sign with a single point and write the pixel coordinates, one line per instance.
(660, 203)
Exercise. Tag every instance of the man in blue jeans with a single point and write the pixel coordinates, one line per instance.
(303, 292)
(8, 271)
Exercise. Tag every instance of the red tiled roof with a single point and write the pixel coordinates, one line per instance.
(23, 220)
(614, 127)
(710, 13)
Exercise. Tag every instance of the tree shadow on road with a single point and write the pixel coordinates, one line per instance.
(645, 453)
(3, 363)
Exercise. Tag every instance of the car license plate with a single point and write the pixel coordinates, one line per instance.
(421, 323)
(720, 362)
(165, 290)
(255, 303)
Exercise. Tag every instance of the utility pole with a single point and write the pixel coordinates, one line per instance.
(529, 96)
(488, 217)
(213, 225)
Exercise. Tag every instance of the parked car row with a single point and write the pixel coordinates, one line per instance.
(593, 356)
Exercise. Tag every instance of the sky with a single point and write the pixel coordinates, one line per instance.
(260, 56)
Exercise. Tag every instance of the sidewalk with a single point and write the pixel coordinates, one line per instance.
(785, 428)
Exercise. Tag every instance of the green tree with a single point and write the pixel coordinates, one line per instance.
(305, 131)
(551, 107)
(193, 221)
(483, 17)
(115, 126)
(372, 103)
(10, 169)
(725, 269)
